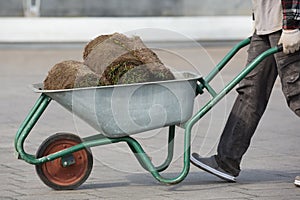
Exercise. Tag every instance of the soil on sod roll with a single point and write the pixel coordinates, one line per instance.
(70, 74)
(112, 73)
(90, 46)
(114, 56)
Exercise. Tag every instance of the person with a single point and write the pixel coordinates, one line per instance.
(275, 22)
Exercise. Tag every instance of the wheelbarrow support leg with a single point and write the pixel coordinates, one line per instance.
(167, 162)
(33, 116)
(138, 151)
(145, 161)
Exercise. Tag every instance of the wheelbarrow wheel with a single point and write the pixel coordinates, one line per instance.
(69, 171)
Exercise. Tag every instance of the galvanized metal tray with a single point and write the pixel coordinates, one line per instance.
(121, 110)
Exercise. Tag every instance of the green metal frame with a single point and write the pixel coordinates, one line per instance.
(99, 139)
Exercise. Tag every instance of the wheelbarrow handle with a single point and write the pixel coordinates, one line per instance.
(217, 96)
(279, 48)
(227, 58)
(230, 55)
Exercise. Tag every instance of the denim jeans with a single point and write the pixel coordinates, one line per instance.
(253, 96)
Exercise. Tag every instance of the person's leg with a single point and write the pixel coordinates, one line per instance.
(289, 73)
(253, 95)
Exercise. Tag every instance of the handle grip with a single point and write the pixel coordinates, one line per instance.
(279, 48)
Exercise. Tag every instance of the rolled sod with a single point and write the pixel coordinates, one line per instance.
(70, 74)
(109, 60)
(114, 56)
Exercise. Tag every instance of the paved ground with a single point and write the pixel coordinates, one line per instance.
(268, 169)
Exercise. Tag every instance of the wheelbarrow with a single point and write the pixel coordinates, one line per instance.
(64, 160)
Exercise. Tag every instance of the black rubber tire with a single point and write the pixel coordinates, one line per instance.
(53, 174)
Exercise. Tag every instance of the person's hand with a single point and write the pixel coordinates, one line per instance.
(290, 40)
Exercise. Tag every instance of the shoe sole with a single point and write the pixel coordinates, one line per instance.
(297, 183)
(213, 171)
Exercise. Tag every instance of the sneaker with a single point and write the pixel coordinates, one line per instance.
(210, 165)
(297, 181)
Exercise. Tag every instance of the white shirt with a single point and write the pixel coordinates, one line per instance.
(268, 16)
